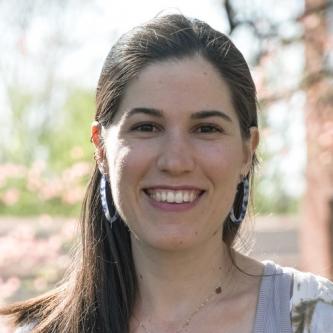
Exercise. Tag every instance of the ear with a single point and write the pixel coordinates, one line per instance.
(250, 146)
(96, 139)
(96, 131)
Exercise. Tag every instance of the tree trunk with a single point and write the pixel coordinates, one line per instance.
(316, 235)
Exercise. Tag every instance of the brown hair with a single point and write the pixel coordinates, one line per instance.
(99, 292)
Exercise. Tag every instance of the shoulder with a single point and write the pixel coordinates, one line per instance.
(311, 303)
(310, 287)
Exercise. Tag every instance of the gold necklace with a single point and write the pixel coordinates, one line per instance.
(217, 291)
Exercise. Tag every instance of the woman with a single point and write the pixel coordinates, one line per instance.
(175, 135)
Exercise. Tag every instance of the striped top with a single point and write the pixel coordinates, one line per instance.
(273, 307)
(289, 301)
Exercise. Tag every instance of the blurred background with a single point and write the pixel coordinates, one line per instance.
(51, 54)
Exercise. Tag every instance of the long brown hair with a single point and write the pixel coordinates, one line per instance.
(99, 291)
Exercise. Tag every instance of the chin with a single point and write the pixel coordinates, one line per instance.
(171, 241)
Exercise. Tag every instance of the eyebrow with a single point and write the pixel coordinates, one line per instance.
(197, 115)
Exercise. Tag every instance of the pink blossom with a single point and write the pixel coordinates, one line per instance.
(76, 171)
(9, 287)
(73, 195)
(51, 189)
(10, 170)
(11, 196)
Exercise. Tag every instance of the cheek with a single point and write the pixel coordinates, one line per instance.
(222, 160)
(119, 161)
(127, 165)
(222, 165)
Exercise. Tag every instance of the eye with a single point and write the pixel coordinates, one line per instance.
(209, 128)
(145, 127)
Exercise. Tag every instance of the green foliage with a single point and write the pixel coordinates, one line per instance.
(15, 150)
(270, 197)
(30, 205)
(69, 140)
(54, 182)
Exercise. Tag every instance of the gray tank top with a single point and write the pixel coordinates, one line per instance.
(273, 307)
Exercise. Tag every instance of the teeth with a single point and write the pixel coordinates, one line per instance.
(173, 196)
(179, 197)
(192, 196)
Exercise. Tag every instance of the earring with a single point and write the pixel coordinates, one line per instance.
(100, 161)
(103, 189)
(244, 187)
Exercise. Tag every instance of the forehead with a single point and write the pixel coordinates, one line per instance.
(189, 84)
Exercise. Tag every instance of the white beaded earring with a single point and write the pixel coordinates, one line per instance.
(104, 201)
(245, 187)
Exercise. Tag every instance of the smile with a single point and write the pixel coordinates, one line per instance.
(173, 196)
(173, 200)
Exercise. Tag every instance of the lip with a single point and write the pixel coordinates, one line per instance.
(174, 188)
(173, 207)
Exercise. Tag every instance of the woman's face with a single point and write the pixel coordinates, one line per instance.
(175, 154)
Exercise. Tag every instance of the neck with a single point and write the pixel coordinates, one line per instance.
(174, 283)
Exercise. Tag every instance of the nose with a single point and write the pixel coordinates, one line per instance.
(176, 155)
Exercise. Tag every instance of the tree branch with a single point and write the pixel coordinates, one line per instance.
(230, 16)
(306, 82)
(273, 29)
(314, 10)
